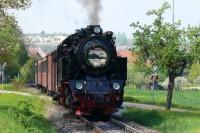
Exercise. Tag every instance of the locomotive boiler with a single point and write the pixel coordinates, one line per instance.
(84, 73)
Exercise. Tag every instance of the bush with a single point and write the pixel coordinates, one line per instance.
(139, 75)
(18, 83)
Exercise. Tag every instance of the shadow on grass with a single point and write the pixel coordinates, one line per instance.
(146, 118)
(192, 108)
(31, 121)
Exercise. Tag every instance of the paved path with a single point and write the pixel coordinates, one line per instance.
(14, 92)
(151, 107)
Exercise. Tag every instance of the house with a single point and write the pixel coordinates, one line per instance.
(131, 56)
(36, 53)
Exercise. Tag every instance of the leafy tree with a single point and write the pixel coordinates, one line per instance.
(21, 53)
(164, 45)
(28, 70)
(193, 38)
(12, 48)
(10, 34)
(194, 72)
(14, 4)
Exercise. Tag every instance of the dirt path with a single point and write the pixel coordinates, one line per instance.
(15, 92)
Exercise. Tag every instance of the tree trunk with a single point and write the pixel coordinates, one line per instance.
(170, 91)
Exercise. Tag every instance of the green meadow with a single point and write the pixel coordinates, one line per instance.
(181, 99)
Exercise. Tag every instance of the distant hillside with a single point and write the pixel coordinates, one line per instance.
(42, 39)
(49, 42)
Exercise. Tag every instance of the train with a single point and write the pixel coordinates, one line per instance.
(84, 73)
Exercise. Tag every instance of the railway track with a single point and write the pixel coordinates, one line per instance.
(115, 126)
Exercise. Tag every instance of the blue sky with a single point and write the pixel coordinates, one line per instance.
(54, 16)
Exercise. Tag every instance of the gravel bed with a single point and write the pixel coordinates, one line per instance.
(130, 123)
(64, 121)
(139, 127)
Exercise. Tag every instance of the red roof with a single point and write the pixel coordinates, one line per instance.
(34, 51)
(124, 53)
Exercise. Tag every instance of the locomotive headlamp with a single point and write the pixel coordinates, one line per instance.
(97, 57)
(116, 86)
(79, 85)
(97, 29)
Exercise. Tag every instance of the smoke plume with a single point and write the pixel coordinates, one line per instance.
(93, 8)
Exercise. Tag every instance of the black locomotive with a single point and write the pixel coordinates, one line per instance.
(90, 75)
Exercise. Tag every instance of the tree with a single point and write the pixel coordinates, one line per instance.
(10, 34)
(12, 48)
(14, 4)
(194, 72)
(193, 36)
(164, 45)
(28, 71)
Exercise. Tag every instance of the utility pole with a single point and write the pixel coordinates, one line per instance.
(2, 68)
(173, 14)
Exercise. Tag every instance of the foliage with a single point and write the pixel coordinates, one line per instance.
(23, 114)
(165, 121)
(9, 37)
(193, 38)
(161, 43)
(14, 4)
(164, 45)
(18, 84)
(139, 75)
(12, 49)
(27, 71)
(14, 64)
(194, 72)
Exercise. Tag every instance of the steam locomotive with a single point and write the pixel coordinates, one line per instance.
(84, 73)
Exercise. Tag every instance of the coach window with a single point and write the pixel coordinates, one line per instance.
(45, 66)
(39, 67)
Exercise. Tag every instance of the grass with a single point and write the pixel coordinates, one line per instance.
(8, 87)
(181, 99)
(22, 114)
(165, 121)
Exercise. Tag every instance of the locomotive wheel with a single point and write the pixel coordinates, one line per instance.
(62, 96)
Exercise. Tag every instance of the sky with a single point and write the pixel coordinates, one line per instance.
(65, 16)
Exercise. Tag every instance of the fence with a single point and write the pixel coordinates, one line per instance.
(188, 87)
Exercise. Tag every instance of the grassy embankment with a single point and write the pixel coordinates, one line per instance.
(23, 114)
(165, 121)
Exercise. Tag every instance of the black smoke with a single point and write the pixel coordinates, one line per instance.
(93, 8)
